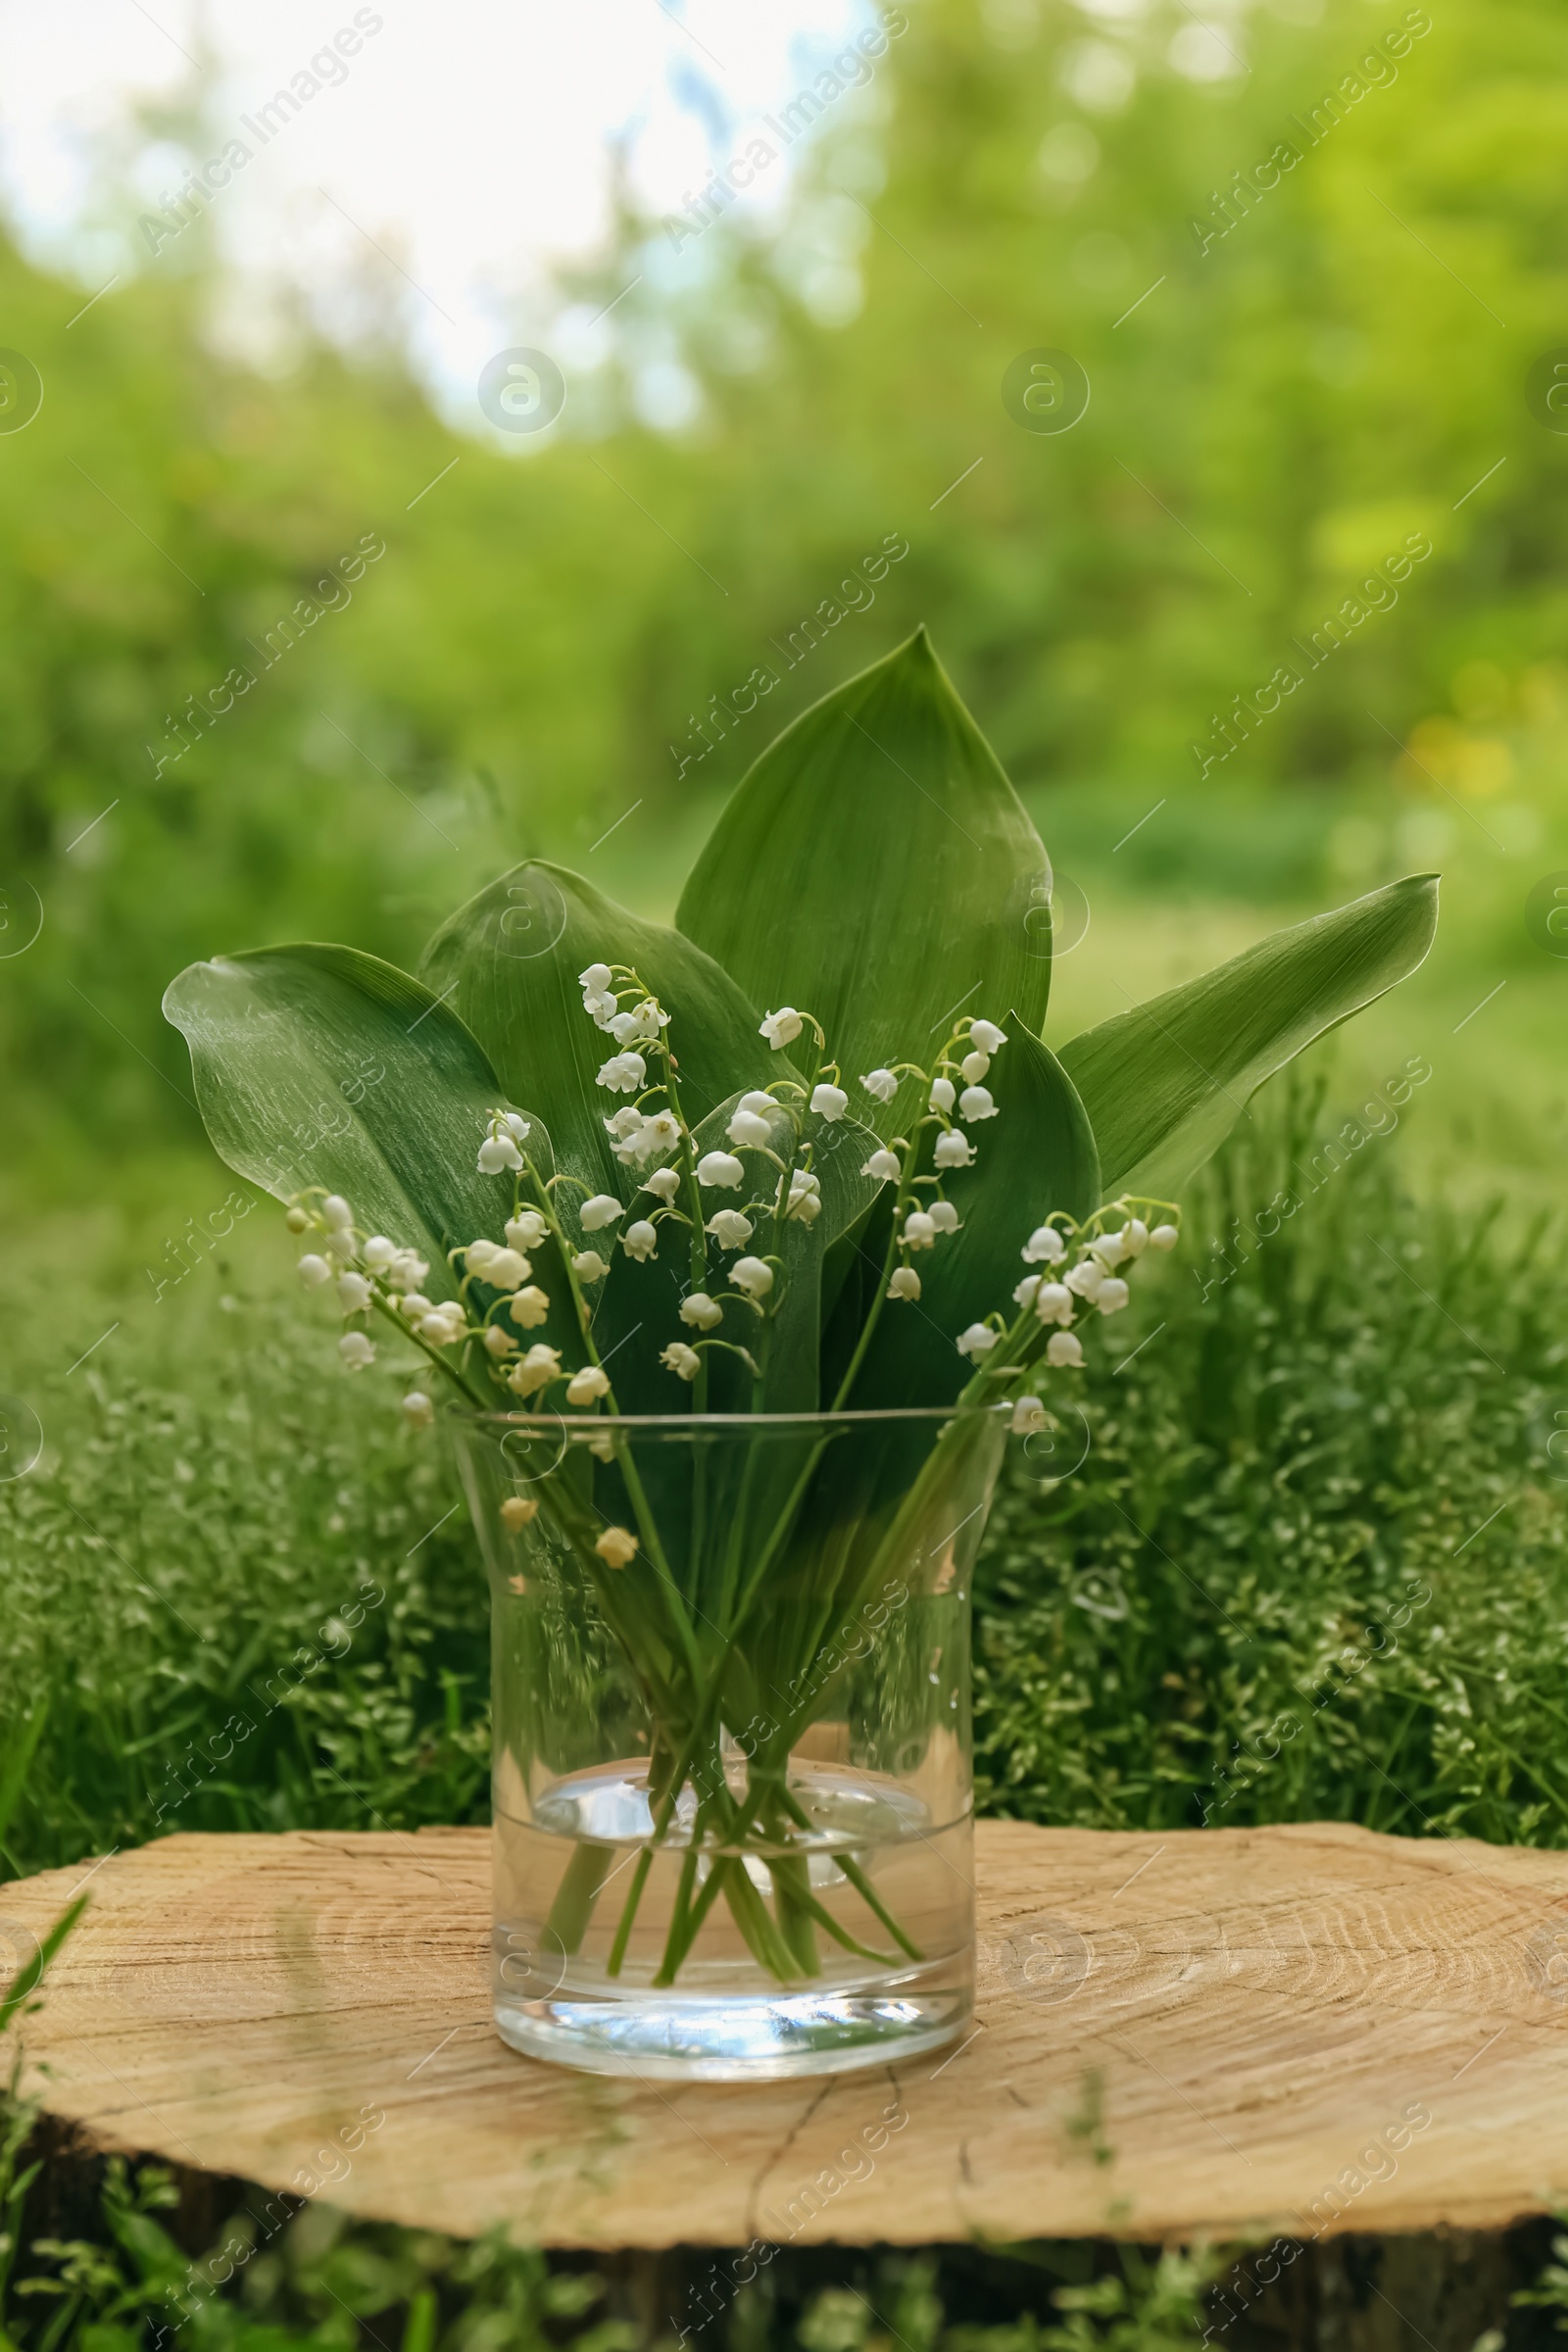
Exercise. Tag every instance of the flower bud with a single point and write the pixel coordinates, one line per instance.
(354, 1294)
(943, 1093)
(418, 1410)
(1164, 1237)
(314, 1271)
(600, 1210)
(298, 1219)
(335, 1210)
(974, 1068)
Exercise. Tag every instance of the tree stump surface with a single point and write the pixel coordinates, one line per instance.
(1293, 2031)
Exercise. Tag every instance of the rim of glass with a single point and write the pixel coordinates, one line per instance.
(585, 1424)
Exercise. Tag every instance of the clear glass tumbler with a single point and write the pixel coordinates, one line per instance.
(733, 1804)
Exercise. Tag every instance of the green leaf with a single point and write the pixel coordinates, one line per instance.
(1165, 1083)
(319, 1065)
(1038, 1154)
(876, 868)
(507, 964)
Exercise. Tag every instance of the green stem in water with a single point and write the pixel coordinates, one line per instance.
(580, 1888)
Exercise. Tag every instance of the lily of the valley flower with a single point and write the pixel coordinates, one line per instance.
(409, 1269)
(977, 1341)
(943, 1093)
(589, 1266)
(986, 1036)
(1045, 1245)
(748, 1128)
(530, 1307)
(1064, 1349)
(418, 1410)
(1112, 1295)
(683, 1361)
(380, 1255)
(535, 1370)
(954, 1149)
(517, 1510)
(919, 1232)
(829, 1102)
(663, 1184)
(974, 1068)
(598, 997)
(640, 1240)
(497, 1153)
(335, 1210)
(656, 1139)
(1028, 1417)
(526, 1230)
(298, 1220)
(497, 1342)
(701, 1312)
(729, 1228)
(314, 1271)
(599, 1210)
(1164, 1237)
(441, 1327)
(624, 1073)
(640, 1026)
(805, 1202)
(781, 1028)
(1086, 1278)
(882, 1163)
(1054, 1302)
(617, 1546)
(753, 1275)
(944, 1216)
(880, 1085)
(587, 1386)
(975, 1104)
(503, 1269)
(356, 1350)
(904, 1283)
(720, 1171)
(354, 1294)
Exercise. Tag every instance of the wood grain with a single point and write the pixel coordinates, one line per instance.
(1259, 2018)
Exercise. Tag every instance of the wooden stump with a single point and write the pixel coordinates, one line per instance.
(1293, 2032)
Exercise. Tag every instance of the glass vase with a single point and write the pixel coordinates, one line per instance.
(732, 1750)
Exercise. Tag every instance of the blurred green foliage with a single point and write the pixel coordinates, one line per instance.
(1272, 412)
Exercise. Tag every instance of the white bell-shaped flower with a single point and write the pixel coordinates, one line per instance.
(530, 1307)
(415, 1305)
(975, 1104)
(781, 1028)
(663, 1184)
(624, 1073)
(1054, 1302)
(720, 1171)
(753, 1275)
(1086, 1278)
(535, 1370)
(497, 1153)
(1028, 1417)
(829, 1101)
(526, 1230)
(1045, 1247)
(805, 1202)
(338, 1242)
(617, 1546)
(904, 1283)
(624, 1125)
(335, 1210)
(479, 1254)
(519, 1512)
(596, 977)
(759, 1101)
(974, 1068)
(418, 1410)
(977, 1341)
(599, 1210)
(515, 1125)
(1064, 1349)
(987, 1036)
(880, 1085)
(952, 1150)
(409, 1269)
(589, 1266)
(356, 1350)
(1135, 1233)
(508, 1270)
(683, 1361)
(944, 1093)
(440, 1330)
(1025, 1291)
(656, 1138)
(919, 1231)
(314, 1271)
(730, 1227)
(1111, 1247)
(701, 1312)
(640, 1240)
(378, 1253)
(882, 1163)
(1164, 1237)
(354, 1294)
(587, 1386)
(1112, 1295)
(497, 1342)
(944, 1216)
(748, 1128)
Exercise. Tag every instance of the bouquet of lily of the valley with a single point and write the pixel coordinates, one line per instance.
(800, 1164)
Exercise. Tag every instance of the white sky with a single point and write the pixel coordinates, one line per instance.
(470, 139)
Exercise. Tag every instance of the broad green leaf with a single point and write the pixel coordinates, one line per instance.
(876, 868)
(319, 1065)
(639, 1313)
(1036, 1156)
(1164, 1084)
(507, 964)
